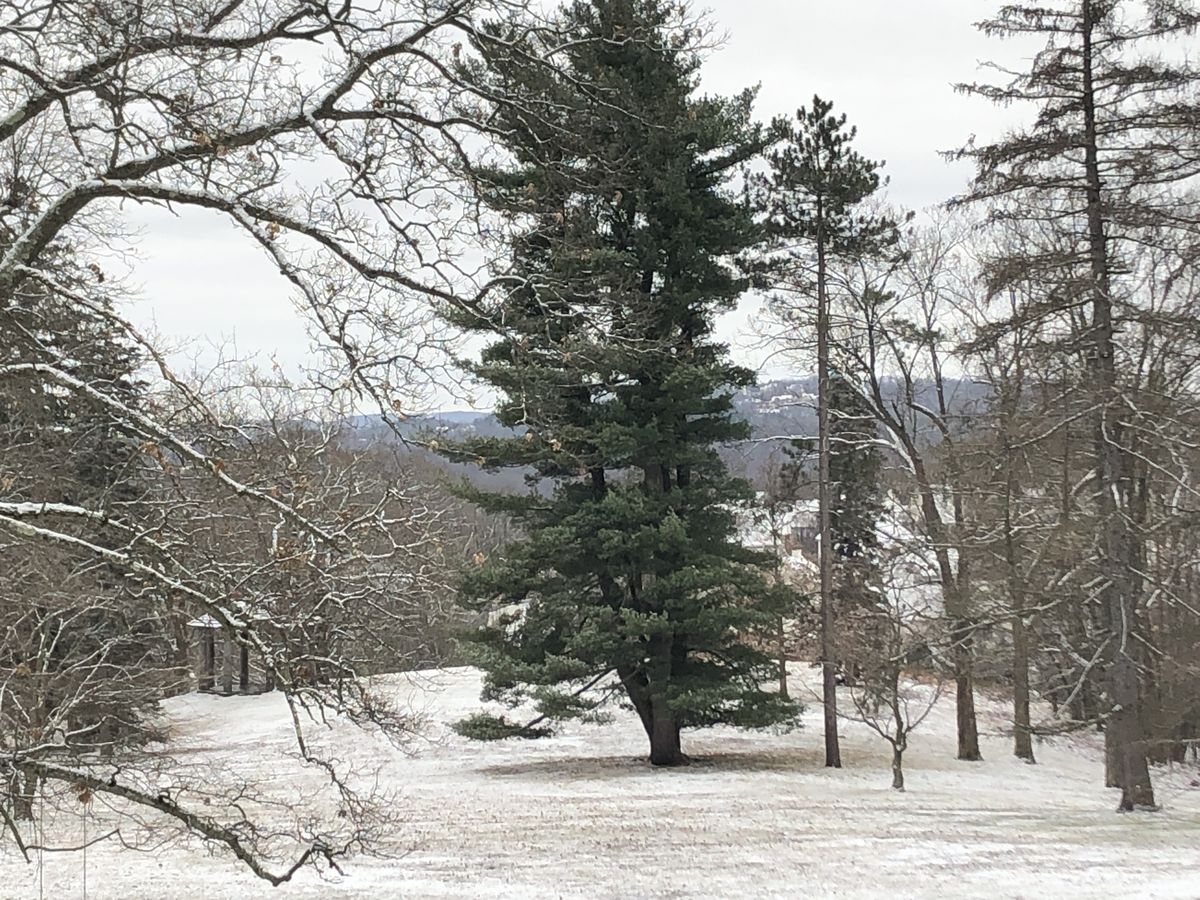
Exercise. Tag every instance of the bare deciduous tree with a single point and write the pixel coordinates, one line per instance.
(334, 137)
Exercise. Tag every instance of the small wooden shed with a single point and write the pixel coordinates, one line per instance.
(224, 662)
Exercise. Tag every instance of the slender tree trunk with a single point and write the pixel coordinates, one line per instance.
(208, 643)
(1124, 739)
(833, 752)
(781, 634)
(783, 675)
(900, 739)
(1022, 725)
(243, 668)
(897, 768)
(964, 691)
(226, 663)
(962, 634)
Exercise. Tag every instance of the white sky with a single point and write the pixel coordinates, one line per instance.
(888, 64)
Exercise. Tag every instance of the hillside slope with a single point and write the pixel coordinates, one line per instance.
(581, 815)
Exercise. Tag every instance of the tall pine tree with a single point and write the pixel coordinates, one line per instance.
(628, 580)
(813, 194)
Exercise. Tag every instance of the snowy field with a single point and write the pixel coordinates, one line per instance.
(757, 815)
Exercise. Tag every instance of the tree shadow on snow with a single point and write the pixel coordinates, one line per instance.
(721, 762)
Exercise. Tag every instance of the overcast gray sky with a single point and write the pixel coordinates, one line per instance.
(888, 64)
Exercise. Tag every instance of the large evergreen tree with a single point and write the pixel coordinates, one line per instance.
(628, 578)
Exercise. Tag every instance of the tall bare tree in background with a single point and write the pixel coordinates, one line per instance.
(896, 334)
(1104, 168)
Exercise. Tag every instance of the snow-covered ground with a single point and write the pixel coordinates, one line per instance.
(757, 815)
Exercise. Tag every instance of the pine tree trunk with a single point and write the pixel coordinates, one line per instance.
(783, 674)
(665, 749)
(659, 723)
(1123, 735)
(833, 752)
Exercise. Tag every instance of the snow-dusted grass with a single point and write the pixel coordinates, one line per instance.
(757, 815)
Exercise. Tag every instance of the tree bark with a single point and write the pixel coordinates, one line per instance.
(964, 692)
(208, 643)
(897, 768)
(243, 668)
(783, 674)
(659, 723)
(226, 663)
(1112, 761)
(1022, 725)
(635, 688)
(954, 587)
(833, 751)
(665, 749)
(22, 795)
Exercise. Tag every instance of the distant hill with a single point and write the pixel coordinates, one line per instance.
(776, 410)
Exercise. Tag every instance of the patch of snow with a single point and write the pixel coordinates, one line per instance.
(758, 814)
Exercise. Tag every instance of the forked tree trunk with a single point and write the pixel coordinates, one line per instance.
(657, 720)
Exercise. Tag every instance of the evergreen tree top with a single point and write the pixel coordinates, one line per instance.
(817, 184)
